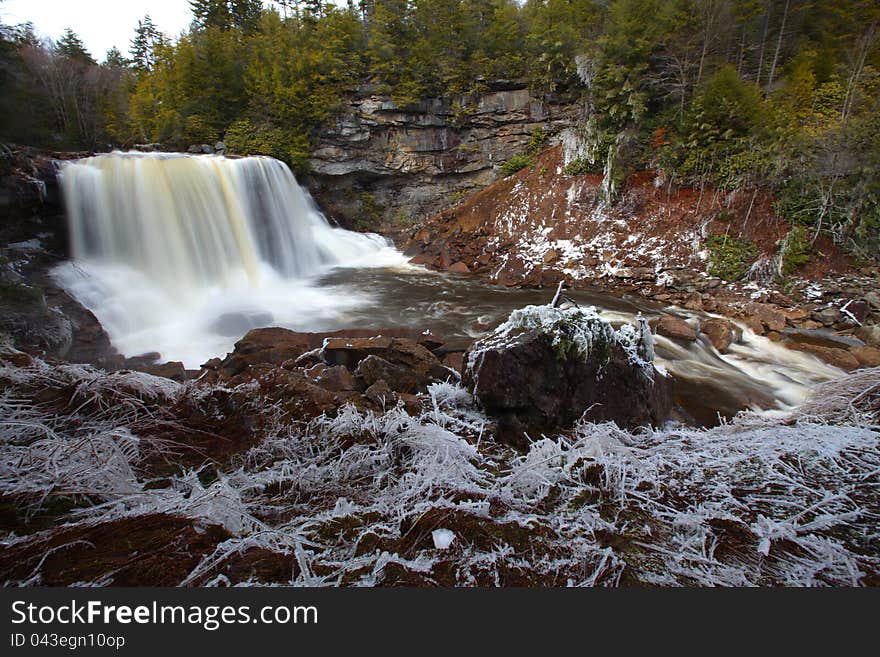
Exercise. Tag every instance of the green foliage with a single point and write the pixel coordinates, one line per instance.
(514, 164)
(537, 141)
(371, 210)
(579, 167)
(718, 135)
(198, 130)
(794, 250)
(782, 97)
(729, 257)
(245, 138)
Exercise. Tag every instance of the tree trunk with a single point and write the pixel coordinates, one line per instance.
(763, 44)
(778, 44)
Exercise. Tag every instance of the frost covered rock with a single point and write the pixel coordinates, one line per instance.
(546, 367)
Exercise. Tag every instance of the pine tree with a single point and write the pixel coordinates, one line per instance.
(211, 13)
(71, 47)
(114, 58)
(246, 14)
(143, 46)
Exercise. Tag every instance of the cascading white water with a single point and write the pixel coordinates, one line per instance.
(181, 254)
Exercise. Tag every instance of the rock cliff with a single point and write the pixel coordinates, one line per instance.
(384, 164)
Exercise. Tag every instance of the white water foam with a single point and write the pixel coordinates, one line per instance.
(181, 255)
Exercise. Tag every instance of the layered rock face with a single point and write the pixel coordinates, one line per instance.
(545, 368)
(382, 163)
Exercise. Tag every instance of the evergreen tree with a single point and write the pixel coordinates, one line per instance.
(211, 13)
(114, 58)
(143, 46)
(71, 47)
(245, 14)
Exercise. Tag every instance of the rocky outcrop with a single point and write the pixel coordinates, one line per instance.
(546, 368)
(383, 163)
(307, 374)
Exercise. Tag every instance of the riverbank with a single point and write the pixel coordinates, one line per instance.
(541, 226)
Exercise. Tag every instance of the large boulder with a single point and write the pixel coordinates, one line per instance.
(720, 332)
(546, 368)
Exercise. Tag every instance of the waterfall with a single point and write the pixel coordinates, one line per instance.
(177, 254)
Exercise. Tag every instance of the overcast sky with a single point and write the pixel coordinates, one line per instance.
(101, 24)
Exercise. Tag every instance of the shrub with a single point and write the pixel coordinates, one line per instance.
(794, 250)
(245, 138)
(514, 164)
(580, 167)
(729, 257)
(538, 141)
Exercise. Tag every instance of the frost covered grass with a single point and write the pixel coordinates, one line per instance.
(364, 498)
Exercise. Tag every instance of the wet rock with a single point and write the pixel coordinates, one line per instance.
(720, 332)
(833, 356)
(867, 356)
(545, 369)
(459, 268)
(675, 328)
(769, 316)
(824, 338)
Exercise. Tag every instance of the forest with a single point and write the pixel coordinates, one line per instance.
(773, 95)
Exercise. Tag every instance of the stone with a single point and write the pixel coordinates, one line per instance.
(795, 314)
(381, 394)
(636, 273)
(867, 356)
(459, 268)
(769, 316)
(828, 316)
(173, 370)
(265, 346)
(425, 259)
(693, 301)
(870, 335)
(720, 332)
(454, 360)
(401, 351)
(373, 369)
(536, 380)
(873, 299)
(833, 356)
(675, 328)
(336, 378)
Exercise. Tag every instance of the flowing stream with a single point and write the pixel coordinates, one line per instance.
(181, 255)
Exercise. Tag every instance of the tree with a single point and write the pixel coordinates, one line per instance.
(211, 13)
(245, 14)
(114, 58)
(72, 47)
(143, 46)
